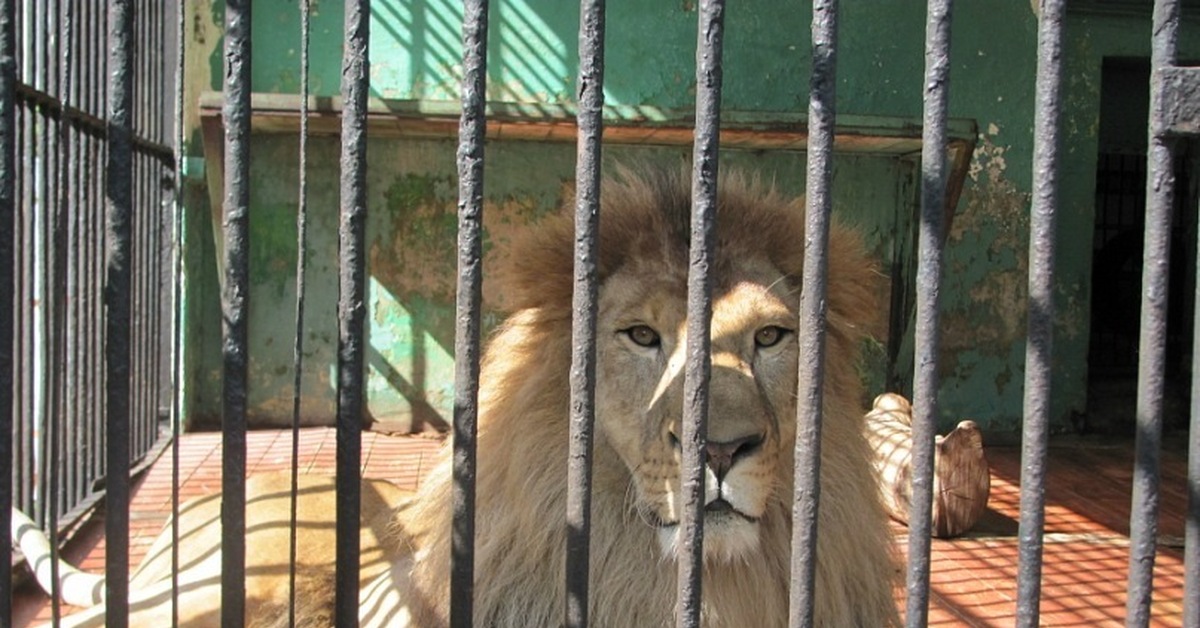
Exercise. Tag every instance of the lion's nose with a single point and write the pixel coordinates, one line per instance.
(723, 455)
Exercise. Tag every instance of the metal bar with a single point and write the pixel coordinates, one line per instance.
(468, 303)
(137, 333)
(41, 218)
(77, 238)
(177, 232)
(23, 359)
(352, 304)
(822, 115)
(235, 302)
(117, 314)
(91, 205)
(590, 97)
(929, 273)
(301, 253)
(8, 270)
(698, 370)
(1160, 200)
(1038, 350)
(57, 303)
(95, 25)
(91, 123)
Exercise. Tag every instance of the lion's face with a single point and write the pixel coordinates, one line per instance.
(642, 347)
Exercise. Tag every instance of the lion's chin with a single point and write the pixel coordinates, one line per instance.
(728, 537)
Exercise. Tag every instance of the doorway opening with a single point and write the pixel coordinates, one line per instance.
(1117, 245)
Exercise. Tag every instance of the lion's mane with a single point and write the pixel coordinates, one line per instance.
(523, 438)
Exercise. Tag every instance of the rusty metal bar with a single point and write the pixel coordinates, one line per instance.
(469, 302)
(822, 116)
(590, 98)
(1160, 199)
(235, 302)
(57, 302)
(117, 315)
(177, 231)
(352, 304)
(23, 318)
(298, 348)
(77, 478)
(40, 183)
(1038, 350)
(929, 273)
(8, 270)
(698, 370)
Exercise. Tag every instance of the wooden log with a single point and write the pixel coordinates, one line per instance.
(961, 482)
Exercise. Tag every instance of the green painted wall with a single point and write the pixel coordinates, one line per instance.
(414, 51)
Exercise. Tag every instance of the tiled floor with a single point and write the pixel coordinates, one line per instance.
(401, 459)
(973, 578)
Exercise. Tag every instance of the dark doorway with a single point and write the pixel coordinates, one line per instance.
(1117, 259)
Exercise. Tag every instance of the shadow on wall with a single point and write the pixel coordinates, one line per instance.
(416, 51)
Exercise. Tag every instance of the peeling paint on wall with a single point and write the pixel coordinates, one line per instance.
(650, 62)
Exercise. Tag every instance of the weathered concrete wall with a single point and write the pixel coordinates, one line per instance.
(411, 235)
(414, 50)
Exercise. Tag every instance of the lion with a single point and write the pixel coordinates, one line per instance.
(523, 440)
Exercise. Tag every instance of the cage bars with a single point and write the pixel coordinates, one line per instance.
(57, 428)
(1160, 198)
(822, 113)
(468, 302)
(8, 270)
(59, 181)
(1038, 351)
(117, 315)
(929, 272)
(590, 96)
(301, 289)
(235, 303)
(177, 264)
(710, 33)
(352, 299)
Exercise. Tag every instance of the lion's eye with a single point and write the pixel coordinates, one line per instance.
(770, 336)
(643, 336)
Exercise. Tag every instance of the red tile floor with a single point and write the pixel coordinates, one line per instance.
(973, 579)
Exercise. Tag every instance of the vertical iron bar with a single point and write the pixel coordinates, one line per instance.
(590, 120)
(22, 369)
(78, 300)
(94, 26)
(177, 305)
(235, 302)
(352, 304)
(298, 349)
(117, 315)
(1038, 350)
(8, 270)
(471, 129)
(698, 371)
(1160, 199)
(41, 221)
(822, 115)
(22, 352)
(57, 304)
(929, 273)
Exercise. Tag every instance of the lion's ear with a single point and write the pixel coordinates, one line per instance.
(539, 271)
